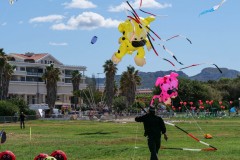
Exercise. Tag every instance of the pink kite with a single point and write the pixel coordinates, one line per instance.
(169, 86)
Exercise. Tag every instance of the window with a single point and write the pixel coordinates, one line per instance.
(22, 78)
(22, 69)
(68, 80)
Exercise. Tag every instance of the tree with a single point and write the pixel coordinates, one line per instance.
(192, 91)
(22, 105)
(6, 71)
(7, 108)
(7, 74)
(51, 76)
(146, 99)
(110, 70)
(128, 83)
(3, 62)
(76, 78)
(120, 104)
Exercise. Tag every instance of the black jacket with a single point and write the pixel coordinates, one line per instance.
(153, 125)
(22, 117)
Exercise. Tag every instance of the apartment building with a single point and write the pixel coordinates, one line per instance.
(27, 79)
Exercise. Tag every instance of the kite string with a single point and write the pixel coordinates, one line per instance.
(135, 143)
(87, 97)
(198, 126)
(92, 97)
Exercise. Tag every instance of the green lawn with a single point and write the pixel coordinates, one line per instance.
(91, 140)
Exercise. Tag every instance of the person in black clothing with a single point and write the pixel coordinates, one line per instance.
(154, 126)
(22, 120)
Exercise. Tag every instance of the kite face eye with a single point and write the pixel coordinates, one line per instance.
(169, 92)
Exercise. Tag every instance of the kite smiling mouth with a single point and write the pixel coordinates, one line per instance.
(138, 43)
(170, 91)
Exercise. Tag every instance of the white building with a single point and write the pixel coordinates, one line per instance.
(27, 80)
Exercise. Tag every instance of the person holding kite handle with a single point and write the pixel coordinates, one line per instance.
(154, 127)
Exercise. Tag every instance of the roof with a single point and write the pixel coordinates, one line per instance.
(35, 57)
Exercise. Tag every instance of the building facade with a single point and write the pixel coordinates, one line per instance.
(27, 79)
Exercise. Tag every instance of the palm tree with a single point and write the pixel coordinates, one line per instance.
(76, 78)
(110, 70)
(128, 83)
(6, 71)
(7, 74)
(3, 62)
(51, 77)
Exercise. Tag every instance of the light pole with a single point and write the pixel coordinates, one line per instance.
(37, 86)
(98, 79)
(239, 103)
(238, 107)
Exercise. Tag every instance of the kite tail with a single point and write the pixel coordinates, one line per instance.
(218, 68)
(171, 53)
(152, 45)
(193, 65)
(179, 36)
(193, 137)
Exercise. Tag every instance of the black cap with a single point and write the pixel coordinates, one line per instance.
(152, 109)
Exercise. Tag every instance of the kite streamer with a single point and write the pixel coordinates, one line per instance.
(212, 148)
(140, 4)
(171, 53)
(179, 36)
(217, 68)
(152, 14)
(192, 136)
(193, 65)
(214, 8)
(169, 62)
(138, 20)
(152, 44)
(147, 12)
(133, 10)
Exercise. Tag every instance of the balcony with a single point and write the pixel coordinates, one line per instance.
(17, 72)
(34, 73)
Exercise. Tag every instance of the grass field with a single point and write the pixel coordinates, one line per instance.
(91, 140)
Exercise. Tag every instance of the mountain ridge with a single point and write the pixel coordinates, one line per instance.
(206, 74)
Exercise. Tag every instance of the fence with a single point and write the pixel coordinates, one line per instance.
(9, 119)
(114, 117)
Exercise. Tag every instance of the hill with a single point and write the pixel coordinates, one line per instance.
(213, 74)
(149, 78)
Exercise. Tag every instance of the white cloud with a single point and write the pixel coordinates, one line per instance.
(58, 44)
(82, 4)
(136, 4)
(4, 24)
(49, 18)
(20, 22)
(86, 21)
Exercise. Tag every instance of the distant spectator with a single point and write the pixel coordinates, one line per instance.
(22, 120)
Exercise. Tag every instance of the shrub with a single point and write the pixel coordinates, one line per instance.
(7, 108)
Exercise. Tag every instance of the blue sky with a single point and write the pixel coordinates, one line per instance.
(64, 28)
